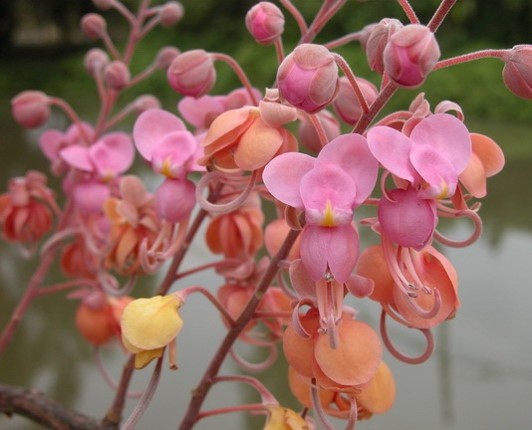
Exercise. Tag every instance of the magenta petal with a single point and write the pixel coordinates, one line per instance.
(448, 136)
(392, 149)
(151, 127)
(113, 154)
(352, 154)
(77, 156)
(282, 176)
(90, 196)
(335, 248)
(175, 199)
(343, 251)
(301, 281)
(407, 220)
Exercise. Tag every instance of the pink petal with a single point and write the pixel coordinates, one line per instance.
(407, 220)
(177, 148)
(151, 127)
(77, 156)
(448, 136)
(328, 184)
(113, 154)
(50, 143)
(201, 112)
(333, 247)
(175, 199)
(89, 197)
(352, 154)
(282, 176)
(302, 283)
(392, 149)
(436, 170)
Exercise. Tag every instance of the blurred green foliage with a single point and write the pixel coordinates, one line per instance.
(219, 26)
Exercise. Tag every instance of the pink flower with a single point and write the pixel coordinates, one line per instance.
(430, 161)
(328, 188)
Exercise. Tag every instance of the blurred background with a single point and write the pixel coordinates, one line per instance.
(480, 376)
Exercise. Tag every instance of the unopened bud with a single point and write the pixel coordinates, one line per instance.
(116, 75)
(165, 57)
(95, 61)
(192, 73)
(31, 109)
(103, 4)
(308, 77)
(145, 102)
(171, 13)
(93, 26)
(410, 55)
(265, 22)
(377, 40)
(347, 105)
(175, 199)
(517, 72)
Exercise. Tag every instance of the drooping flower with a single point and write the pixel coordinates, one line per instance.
(328, 188)
(149, 325)
(429, 163)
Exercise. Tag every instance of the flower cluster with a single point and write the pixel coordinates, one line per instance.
(283, 223)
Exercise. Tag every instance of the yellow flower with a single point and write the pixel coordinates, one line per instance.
(284, 419)
(148, 325)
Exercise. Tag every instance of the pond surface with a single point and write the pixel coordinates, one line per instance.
(480, 376)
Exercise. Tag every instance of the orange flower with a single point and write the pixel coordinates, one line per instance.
(237, 234)
(133, 220)
(239, 139)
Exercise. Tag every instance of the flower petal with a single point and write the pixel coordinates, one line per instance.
(77, 156)
(113, 154)
(257, 145)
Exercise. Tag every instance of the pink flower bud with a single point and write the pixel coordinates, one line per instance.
(265, 22)
(410, 55)
(103, 4)
(95, 61)
(116, 75)
(145, 102)
(347, 105)
(377, 40)
(165, 57)
(175, 199)
(517, 72)
(31, 109)
(308, 77)
(171, 13)
(93, 25)
(192, 73)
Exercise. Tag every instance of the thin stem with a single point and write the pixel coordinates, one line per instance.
(472, 56)
(303, 28)
(348, 72)
(443, 9)
(239, 73)
(252, 407)
(72, 115)
(386, 93)
(356, 36)
(200, 393)
(209, 296)
(114, 414)
(228, 262)
(409, 11)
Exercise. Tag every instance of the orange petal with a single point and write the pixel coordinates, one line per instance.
(143, 358)
(357, 356)
(299, 350)
(127, 243)
(257, 145)
(489, 153)
(473, 178)
(379, 395)
(300, 387)
(372, 265)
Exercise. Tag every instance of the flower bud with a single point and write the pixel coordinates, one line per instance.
(517, 72)
(145, 102)
(347, 105)
(192, 73)
(103, 4)
(93, 25)
(116, 75)
(377, 40)
(308, 77)
(165, 57)
(175, 199)
(265, 22)
(410, 55)
(31, 109)
(95, 61)
(171, 13)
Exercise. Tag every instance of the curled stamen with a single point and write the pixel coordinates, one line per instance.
(256, 367)
(423, 313)
(400, 356)
(111, 286)
(222, 208)
(477, 223)
(317, 406)
(147, 265)
(296, 320)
